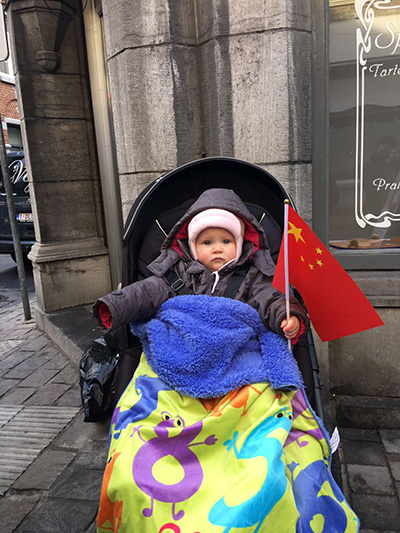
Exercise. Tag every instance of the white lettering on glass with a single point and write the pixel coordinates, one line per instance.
(388, 40)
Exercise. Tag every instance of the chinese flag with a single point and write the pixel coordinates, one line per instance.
(336, 305)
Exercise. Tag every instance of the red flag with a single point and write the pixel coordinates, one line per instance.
(336, 305)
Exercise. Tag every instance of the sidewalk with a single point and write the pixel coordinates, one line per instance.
(51, 462)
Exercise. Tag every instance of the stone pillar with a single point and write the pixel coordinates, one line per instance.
(256, 87)
(153, 69)
(69, 258)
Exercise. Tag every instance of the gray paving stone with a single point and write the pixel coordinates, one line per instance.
(17, 396)
(363, 452)
(7, 384)
(359, 434)
(377, 512)
(43, 472)
(366, 479)
(78, 483)
(78, 433)
(59, 361)
(68, 375)
(14, 508)
(394, 463)
(391, 440)
(56, 516)
(71, 398)
(32, 361)
(19, 373)
(48, 394)
(38, 378)
(93, 455)
(14, 359)
(92, 528)
(36, 344)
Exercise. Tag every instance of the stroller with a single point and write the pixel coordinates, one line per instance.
(256, 459)
(161, 205)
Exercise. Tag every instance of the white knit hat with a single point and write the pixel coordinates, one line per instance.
(215, 218)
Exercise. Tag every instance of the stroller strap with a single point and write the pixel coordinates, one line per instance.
(178, 286)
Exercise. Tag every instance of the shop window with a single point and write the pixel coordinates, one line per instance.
(364, 131)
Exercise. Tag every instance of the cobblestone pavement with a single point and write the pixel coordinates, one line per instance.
(51, 462)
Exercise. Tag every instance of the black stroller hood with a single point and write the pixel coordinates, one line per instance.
(166, 200)
(173, 193)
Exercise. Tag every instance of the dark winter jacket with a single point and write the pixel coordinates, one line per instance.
(141, 300)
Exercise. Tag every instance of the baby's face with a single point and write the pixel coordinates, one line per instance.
(215, 247)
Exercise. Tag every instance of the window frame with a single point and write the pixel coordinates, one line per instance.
(354, 259)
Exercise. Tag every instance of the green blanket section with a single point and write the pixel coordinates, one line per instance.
(253, 461)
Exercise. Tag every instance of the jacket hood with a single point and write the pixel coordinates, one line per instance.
(254, 235)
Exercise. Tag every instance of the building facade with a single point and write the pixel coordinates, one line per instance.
(114, 94)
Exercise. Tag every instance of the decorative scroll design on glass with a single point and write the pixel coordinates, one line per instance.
(368, 41)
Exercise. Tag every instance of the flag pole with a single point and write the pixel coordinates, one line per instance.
(286, 262)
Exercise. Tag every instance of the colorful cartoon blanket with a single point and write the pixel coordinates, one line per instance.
(251, 459)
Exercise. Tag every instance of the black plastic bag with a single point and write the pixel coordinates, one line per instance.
(97, 378)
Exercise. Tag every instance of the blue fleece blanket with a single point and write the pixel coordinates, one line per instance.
(207, 346)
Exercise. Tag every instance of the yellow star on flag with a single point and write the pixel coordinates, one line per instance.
(319, 251)
(320, 263)
(311, 266)
(296, 232)
(302, 259)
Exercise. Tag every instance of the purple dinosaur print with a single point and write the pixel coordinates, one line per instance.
(299, 406)
(149, 389)
(178, 446)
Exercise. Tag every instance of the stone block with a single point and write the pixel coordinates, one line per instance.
(296, 179)
(359, 434)
(57, 150)
(377, 512)
(54, 513)
(69, 376)
(78, 433)
(49, 96)
(222, 17)
(156, 108)
(366, 412)
(391, 440)
(216, 94)
(64, 211)
(43, 472)
(47, 394)
(271, 97)
(14, 508)
(94, 455)
(14, 359)
(31, 31)
(7, 384)
(366, 363)
(38, 378)
(143, 23)
(363, 452)
(17, 396)
(71, 398)
(394, 463)
(78, 483)
(131, 185)
(69, 283)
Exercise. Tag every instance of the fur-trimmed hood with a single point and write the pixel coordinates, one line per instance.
(255, 245)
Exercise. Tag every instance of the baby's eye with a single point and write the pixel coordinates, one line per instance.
(207, 243)
(227, 241)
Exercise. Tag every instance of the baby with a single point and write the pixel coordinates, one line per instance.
(215, 238)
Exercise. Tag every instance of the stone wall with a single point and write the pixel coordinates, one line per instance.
(216, 77)
(69, 258)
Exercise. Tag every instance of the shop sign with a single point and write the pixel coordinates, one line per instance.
(378, 59)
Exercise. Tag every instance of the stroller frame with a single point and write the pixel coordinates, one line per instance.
(164, 201)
